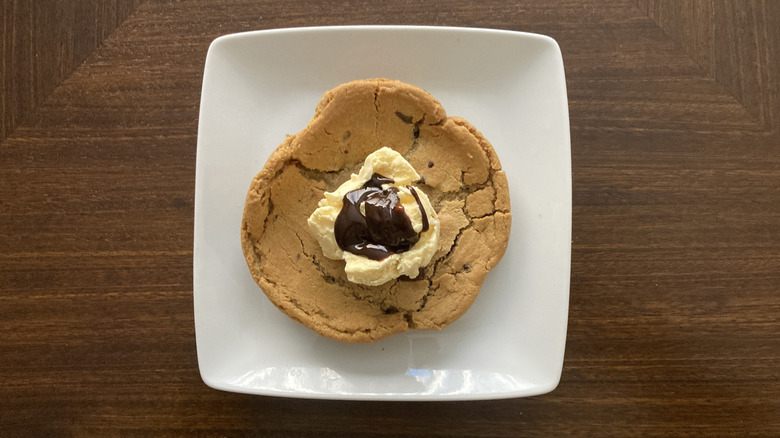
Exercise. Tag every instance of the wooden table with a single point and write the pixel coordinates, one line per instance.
(674, 326)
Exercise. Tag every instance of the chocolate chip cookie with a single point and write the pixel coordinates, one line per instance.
(460, 173)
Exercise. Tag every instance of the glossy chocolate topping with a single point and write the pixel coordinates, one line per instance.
(384, 229)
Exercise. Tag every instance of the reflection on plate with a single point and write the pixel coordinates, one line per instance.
(260, 86)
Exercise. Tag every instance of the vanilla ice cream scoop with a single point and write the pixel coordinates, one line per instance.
(378, 222)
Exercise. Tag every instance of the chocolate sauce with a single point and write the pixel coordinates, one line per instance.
(384, 229)
(422, 209)
(377, 180)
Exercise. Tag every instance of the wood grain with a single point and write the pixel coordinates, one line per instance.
(731, 42)
(43, 42)
(674, 326)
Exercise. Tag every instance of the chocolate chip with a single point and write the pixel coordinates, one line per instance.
(430, 164)
(404, 117)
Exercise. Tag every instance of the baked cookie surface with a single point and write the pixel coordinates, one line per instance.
(461, 175)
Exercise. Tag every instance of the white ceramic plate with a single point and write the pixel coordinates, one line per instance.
(260, 86)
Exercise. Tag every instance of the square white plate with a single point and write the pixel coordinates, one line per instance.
(260, 86)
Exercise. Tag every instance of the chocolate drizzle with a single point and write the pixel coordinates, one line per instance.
(384, 229)
(422, 209)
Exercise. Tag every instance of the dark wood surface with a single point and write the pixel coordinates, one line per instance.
(674, 325)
